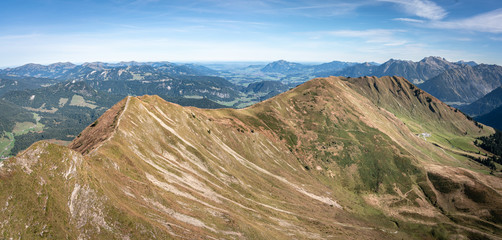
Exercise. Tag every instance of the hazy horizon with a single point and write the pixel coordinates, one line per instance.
(222, 62)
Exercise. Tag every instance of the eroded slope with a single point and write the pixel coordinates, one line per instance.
(332, 158)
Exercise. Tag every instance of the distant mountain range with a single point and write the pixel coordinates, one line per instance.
(288, 68)
(131, 78)
(54, 70)
(415, 72)
(456, 83)
(107, 71)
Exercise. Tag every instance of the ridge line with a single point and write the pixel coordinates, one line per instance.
(115, 129)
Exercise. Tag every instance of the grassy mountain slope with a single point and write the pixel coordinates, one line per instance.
(421, 112)
(327, 159)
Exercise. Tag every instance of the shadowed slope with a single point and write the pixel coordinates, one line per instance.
(485, 104)
(100, 130)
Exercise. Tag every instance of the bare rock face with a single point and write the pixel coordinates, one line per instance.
(415, 72)
(333, 158)
(466, 84)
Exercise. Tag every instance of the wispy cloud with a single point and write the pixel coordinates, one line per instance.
(17, 37)
(411, 20)
(220, 21)
(396, 43)
(421, 8)
(384, 37)
(486, 22)
(363, 33)
(325, 9)
(496, 38)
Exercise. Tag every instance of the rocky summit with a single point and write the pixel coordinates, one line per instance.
(334, 158)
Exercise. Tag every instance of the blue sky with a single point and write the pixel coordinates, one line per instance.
(47, 31)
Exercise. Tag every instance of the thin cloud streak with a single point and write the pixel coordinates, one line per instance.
(421, 8)
(384, 37)
(411, 20)
(486, 22)
(363, 33)
(323, 9)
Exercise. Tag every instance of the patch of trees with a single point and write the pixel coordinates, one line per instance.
(489, 161)
(10, 114)
(49, 97)
(65, 124)
(214, 88)
(493, 144)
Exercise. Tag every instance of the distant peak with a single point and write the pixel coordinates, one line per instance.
(282, 66)
(433, 58)
(94, 65)
(62, 64)
(392, 60)
(32, 65)
(470, 63)
(281, 62)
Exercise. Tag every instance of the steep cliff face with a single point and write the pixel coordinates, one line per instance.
(415, 72)
(466, 84)
(332, 158)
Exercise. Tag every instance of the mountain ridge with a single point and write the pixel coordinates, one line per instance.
(333, 157)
